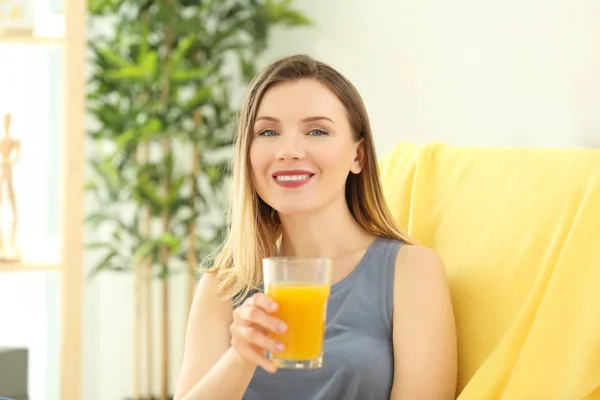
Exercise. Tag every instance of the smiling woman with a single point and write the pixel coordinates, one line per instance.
(306, 184)
(309, 147)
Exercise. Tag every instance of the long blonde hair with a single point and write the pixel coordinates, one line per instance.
(254, 227)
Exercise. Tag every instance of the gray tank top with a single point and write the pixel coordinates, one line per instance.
(358, 355)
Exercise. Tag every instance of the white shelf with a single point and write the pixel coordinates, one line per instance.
(28, 39)
(30, 266)
(45, 259)
(48, 29)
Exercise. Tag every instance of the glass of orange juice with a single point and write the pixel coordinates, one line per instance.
(301, 288)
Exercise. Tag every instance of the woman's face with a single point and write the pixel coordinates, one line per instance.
(302, 148)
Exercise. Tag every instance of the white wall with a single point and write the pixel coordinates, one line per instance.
(498, 73)
(512, 72)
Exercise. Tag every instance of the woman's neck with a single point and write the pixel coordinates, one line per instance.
(330, 232)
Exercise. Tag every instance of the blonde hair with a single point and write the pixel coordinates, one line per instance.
(254, 227)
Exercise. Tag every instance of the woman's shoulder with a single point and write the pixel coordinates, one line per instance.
(410, 257)
(419, 265)
(415, 253)
(209, 289)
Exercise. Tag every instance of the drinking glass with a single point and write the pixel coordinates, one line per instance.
(301, 288)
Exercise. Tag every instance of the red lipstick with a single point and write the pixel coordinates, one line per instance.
(292, 178)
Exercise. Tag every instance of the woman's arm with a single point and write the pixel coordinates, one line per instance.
(211, 369)
(424, 337)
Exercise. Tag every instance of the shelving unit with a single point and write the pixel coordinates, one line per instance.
(65, 31)
(30, 266)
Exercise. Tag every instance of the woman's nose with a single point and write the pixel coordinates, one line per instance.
(291, 148)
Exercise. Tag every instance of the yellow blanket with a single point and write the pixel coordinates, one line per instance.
(519, 232)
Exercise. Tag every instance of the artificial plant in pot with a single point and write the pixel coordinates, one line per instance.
(161, 78)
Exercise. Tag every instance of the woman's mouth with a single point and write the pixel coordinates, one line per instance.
(292, 179)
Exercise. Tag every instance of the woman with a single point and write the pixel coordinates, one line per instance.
(390, 326)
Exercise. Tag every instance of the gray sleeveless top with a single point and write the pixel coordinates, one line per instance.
(358, 356)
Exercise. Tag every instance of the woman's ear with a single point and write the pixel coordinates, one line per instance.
(359, 159)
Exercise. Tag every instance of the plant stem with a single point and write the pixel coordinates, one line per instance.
(147, 268)
(191, 253)
(164, 260)
(137, 352)
(166, 216)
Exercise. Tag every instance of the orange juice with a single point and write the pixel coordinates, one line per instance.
(302, 307)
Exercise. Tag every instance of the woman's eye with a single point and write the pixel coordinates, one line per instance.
(318, 132)
(268, 132)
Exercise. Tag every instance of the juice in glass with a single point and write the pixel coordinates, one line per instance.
(301, 288)
(303, 308)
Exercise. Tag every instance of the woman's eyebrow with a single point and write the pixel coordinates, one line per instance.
(307, 119)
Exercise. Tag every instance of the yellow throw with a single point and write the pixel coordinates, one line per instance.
(519, 232)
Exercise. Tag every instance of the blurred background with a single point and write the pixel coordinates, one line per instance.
(121, 113)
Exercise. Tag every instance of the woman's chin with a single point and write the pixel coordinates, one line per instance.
(291, 211)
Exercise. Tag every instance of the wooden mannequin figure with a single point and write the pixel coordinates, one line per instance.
(9, 154)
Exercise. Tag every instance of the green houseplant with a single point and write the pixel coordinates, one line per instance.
(160, 96)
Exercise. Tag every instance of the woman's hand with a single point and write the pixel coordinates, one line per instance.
(252, 322)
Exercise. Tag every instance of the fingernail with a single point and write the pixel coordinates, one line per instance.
(274, 306)
(272, 368)
(279, 346)
(282, 327)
